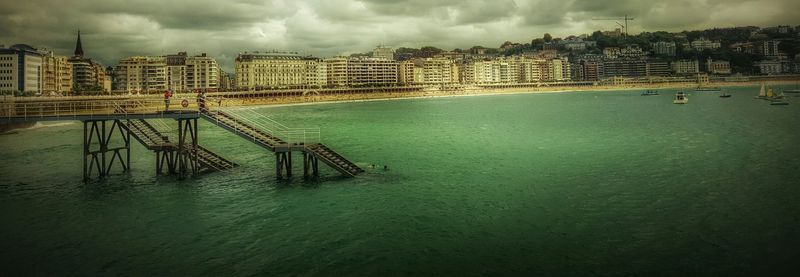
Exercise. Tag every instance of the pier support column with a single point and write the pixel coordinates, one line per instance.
(283, 163)
(187, 150)
(165, 158)
(96, 147)
(310, 166)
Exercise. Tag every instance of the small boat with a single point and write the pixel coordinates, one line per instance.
(724, 95)
(680, 98)
(649, 92)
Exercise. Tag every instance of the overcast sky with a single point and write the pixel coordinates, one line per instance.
(113, 29)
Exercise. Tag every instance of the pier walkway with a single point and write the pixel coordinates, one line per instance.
(184, 155)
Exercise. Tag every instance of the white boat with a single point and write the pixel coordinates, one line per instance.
(680, 98)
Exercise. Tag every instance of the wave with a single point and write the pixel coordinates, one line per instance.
(38, 125)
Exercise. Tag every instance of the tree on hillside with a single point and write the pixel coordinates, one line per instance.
(429, 51)
(547, 37)
(536, 44)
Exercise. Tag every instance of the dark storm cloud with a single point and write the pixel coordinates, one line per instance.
(114, 29)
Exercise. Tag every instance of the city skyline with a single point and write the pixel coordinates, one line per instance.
(115, 29)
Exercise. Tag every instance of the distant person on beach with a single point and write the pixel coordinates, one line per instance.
(385, 168)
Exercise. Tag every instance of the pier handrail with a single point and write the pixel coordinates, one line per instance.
(293, 136)
(71, 110)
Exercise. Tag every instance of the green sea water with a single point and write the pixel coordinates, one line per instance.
(576, 183)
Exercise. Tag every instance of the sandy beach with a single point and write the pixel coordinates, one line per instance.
(381, 96)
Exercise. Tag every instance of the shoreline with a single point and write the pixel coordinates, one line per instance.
(287, 101)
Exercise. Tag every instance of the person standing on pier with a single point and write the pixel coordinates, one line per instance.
(167, 96)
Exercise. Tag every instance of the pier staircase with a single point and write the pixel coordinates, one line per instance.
(277, 138)
(154, 140)
(333, 159)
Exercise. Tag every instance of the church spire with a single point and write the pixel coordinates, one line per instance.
(78, 46)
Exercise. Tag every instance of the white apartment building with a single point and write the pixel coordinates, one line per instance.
(278, 70)
(349, 71)
(560, 69)
(686, 67)
(202, 72)
(142, 74)
(529, 69)
(497, 71)
(429, 71)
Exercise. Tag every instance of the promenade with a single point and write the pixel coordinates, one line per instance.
(297, 96)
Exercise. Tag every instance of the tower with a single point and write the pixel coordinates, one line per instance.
(78, 46)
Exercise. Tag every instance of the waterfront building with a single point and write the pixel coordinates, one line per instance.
(142, 74)
(337, 71)
(664, 48)
(685, 67)
(383, 52)
(371, 72)
(593, 70)
(278, 70)
(560, 69)
(718, 67)
(21, 69)
(625, 67)
(488, 71)
(225, 81)
(658, 68)
(202, 73)
(360, 71)
(176, 71)
(429, 71)
(405, 72)
(529, 69)
(57, 73)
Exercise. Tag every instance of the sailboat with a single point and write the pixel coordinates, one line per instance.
(762, 94)
(772, 96)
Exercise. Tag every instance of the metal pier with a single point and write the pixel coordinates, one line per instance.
(105, 145)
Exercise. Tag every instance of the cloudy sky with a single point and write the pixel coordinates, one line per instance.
(113, 29)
